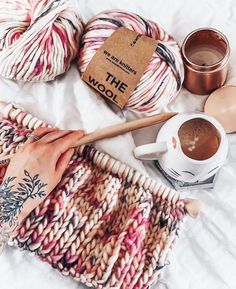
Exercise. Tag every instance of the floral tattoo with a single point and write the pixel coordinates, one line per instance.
(12, 200)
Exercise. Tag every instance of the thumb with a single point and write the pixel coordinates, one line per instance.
(63, 162)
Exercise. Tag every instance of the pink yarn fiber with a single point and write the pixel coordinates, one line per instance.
(38, 38)
(105, 224)
(164, 74)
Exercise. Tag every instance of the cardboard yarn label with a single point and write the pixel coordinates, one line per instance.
(116, 68)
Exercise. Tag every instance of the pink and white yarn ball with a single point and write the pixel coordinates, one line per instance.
(164, 74)
(38, 38)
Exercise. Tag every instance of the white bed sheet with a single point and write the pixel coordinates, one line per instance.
(205, 256)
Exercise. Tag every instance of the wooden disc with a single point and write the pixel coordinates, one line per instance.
(221, 104)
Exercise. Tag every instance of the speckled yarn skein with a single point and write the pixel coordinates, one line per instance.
(164, 74)
(38, 38)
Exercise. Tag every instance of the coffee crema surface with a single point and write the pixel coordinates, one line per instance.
(199, 139)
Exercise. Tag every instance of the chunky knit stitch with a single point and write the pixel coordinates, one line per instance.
(105, 224)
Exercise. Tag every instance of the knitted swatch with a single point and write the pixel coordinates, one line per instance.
(105, 224)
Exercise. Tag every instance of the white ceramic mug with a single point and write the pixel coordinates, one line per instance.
(189, 147)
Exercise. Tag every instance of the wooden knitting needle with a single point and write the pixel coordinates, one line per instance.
(122, 128)
(114, 130)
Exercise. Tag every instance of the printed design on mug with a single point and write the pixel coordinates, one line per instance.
(188, 172)
(213, 169)
(174, 142)
(174, 173)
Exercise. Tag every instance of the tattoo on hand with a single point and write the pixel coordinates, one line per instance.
(12, 200)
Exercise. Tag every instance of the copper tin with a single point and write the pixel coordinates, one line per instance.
(205, 53)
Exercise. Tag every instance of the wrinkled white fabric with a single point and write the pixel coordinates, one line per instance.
(205, 256)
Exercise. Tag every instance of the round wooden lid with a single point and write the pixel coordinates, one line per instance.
(221, 104)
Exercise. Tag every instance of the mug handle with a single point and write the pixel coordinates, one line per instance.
(150, 151)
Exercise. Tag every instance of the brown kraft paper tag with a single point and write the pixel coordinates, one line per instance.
(118, 65)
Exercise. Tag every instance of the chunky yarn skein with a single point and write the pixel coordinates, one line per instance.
(164, 74)
(38, 38)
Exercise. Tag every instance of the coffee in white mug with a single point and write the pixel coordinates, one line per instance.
(199, 139)
(190, 147)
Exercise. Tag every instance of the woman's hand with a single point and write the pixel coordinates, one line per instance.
(33, 173)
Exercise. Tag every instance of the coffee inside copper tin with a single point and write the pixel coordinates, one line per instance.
(205, 48)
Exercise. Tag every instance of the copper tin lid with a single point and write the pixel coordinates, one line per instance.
(221, 104)
(205, 53)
